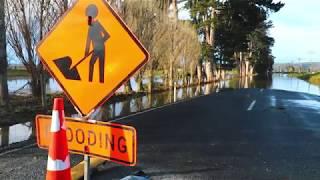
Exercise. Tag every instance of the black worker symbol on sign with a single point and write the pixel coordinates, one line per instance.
(97, 36)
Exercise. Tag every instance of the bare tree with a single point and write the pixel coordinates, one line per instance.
(4, 95)
(28, 21)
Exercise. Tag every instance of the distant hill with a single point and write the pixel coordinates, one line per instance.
(297, 67)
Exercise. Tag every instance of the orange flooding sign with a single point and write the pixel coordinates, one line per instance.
(91, 53)
(108, 141)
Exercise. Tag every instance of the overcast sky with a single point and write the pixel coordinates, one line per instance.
(296, 31)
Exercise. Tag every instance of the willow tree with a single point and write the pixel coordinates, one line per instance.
(168, 41)
(191, 52)
(150, 24)
(169, 5)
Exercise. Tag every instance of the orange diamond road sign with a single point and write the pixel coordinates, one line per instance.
(108, 141)
(91, 53)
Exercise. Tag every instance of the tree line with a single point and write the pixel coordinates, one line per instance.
(235, 34)
(220, 36)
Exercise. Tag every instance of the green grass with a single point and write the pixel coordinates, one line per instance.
(17, 73)
(315, 79)
(312, 78)
(234, 72)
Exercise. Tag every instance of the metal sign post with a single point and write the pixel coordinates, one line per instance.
(86, 167)
(86, 158)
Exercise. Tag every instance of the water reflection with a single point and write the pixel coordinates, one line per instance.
(137, 104)
(280, 82)
(16, 133)
(115, 110)
(4, 140)
(21, 86)
(284, 82)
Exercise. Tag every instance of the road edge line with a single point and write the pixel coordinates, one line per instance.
(17, 149)
(77, 171)
(160, 107)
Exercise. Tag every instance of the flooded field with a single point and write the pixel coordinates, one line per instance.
(22, 132)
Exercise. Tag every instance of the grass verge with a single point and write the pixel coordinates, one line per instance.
(17, 73)
(313, 78)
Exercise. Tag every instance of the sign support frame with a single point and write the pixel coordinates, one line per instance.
(86, 158)
(87, 170)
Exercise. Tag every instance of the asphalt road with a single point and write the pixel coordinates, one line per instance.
(241, 134)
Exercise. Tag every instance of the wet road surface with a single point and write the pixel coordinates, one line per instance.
(241, 134)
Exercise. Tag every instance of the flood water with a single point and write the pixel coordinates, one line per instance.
(22, 132)
(21, 85)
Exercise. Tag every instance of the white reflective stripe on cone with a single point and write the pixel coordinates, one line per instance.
(58, 165)
(55, 123)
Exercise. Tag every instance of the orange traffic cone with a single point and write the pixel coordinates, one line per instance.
(58, 166)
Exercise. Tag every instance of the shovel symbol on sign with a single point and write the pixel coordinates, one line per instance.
(65, 66)
(97, 36)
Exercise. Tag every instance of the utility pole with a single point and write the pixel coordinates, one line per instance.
(4, 93)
